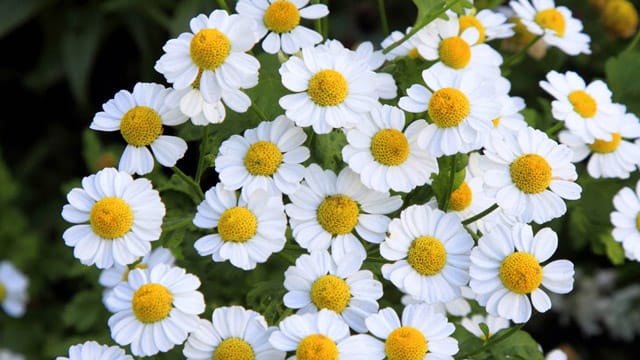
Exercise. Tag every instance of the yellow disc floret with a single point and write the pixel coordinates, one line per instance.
(551, 19)
(151, 303)
(427, 255)
(522, 36)
(521, 273)
(620, 18)
(496, 122)
(125, 273)
(209, 49)
(330, 292)
(448, 107)
(468, 21)
(328, 88)
(583, 103)
(233, 349)
(263, 158)
(338, 214)
(111, 218)
(637, 222)
(604, 147)
(317, 347)
(454, 52)
(141, 126)
(237, 224)
(461, 197)
(389, 147)
(406, 343)
(3, 292)
(414, 54)
(531, 173)
(281, 16)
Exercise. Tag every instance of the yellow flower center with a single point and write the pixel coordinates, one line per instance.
(338, 214)
(151, 303)
(521, 273)
(530, 173)
(620, 18)
(551, 19)
(237, 224)
(427, 255)
(496, 122)
(328, 88)
(141, 126)
(406, 343)
(3, 292)
(468, 21)
(522, 36)
(317, 347)
(125, 274)
(281, 16)
(111, 217)
(330, 292)
(637, 225)
(233, 349)
(604, 147)
(389, 147)
(461, 197)
(583, 103)
(209, 49)
(454, 52)
(448, 107)
(263, 158)
(414, 54)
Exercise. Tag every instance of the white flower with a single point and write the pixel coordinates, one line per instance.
(248, 230)
(490, 24)
(9, 355)
(556, 354)
(625, 220)
(326, 210)
(506, 269)
(201, 112)
(91, 350)
(469, 200)
(493, 323)
(139, 116)
(279, 20)
(13, 289)
(408, 47)
(459, 306)
(317, 282)
(155, 309)
(232, 333)
(431, 253)
(117, 218)
(509, 120)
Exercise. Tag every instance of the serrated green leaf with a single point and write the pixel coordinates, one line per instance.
(519, 345)
(326, 149)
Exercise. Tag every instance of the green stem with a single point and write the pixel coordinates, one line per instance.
(491, 342)
(511, 60)
(189, 181)
(318, 22)
(223, 5)
(203, 149)
(452, 177)
(178, 225)
(557, 126)
(258, 112)
(633, 42)
(383, 17)
(479, 216)
(472, 233)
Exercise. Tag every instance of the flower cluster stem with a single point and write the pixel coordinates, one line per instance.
(383, 17)
(203, 148)
(189, 180)
(223, 5)
(452, 178)
(513, 59)
(479, 216)
(491, 342)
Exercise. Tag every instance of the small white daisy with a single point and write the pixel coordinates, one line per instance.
(91, 350)
(493, 323)
(490, 24)
(506, 268)
(407, 48)
(232, 333)
(267, 157)
(431, 253)
(470, 199)
(202, 112)
(317, 282)
(279, 20)
(117, 218)
(626, 221)
(155, 309)
(139, 116)
(13, 290)
(248, 230)
(509, 120)
(326, 210)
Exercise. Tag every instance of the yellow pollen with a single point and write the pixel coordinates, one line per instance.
(583, 103)
(141, 126)
(3, 292)
(521, 273)
(151, 303)
(496, 122)
(317, 347)
(263, 158)
(209, 49)
(389, 147)
(281, 16)
(330, 292)
(637, 223)
(427, 255)
(233, 349)
(406, 343)
(338, 214)
(620, 18)
(237, 224)
(551, 19)
(604, 147)
(125, 274)
(531, 173)
(448, 107)
(414, 54)
(468, 21)
(328, 88)
(111, 217)
(461, 197)
(454, 52)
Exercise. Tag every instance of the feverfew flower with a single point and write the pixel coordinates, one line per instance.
(470, 199)
(493, 323)
(91, 350)
(509, 120)
(202, 112)
(139, 116)
(490, 24)
(13, 290)
(626, 221)
(506, 268)
(117, 218)
(408, 47)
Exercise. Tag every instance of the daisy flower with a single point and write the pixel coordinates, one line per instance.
(460, 105)
(140, 116)
(431, 253)
(469, 200)
(202, 112)
(493, 323)
(326, 210)
(267, 157)
(587, 110)
(232, 333)
(117, 218)
(555, 23)
(279, 20)
(409, 47)
(248, 230)
(619, 18)
(522, 37)
(510, 119)
(155, 309)
(626, 221)
(91, 350)
(13, 290)
(489, 24)
(506, 269)
(317, 282)
(333, 89)
(212, 58)
(530, 174)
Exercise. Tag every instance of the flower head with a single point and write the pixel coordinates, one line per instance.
(90, 350)
(626, 221)
(13, 290)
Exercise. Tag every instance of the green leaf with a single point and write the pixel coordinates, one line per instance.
(612, 249)
(14, 13)
(76, 312)
(442, 185)
(519, 345)
(326, 149)
(623, 77)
